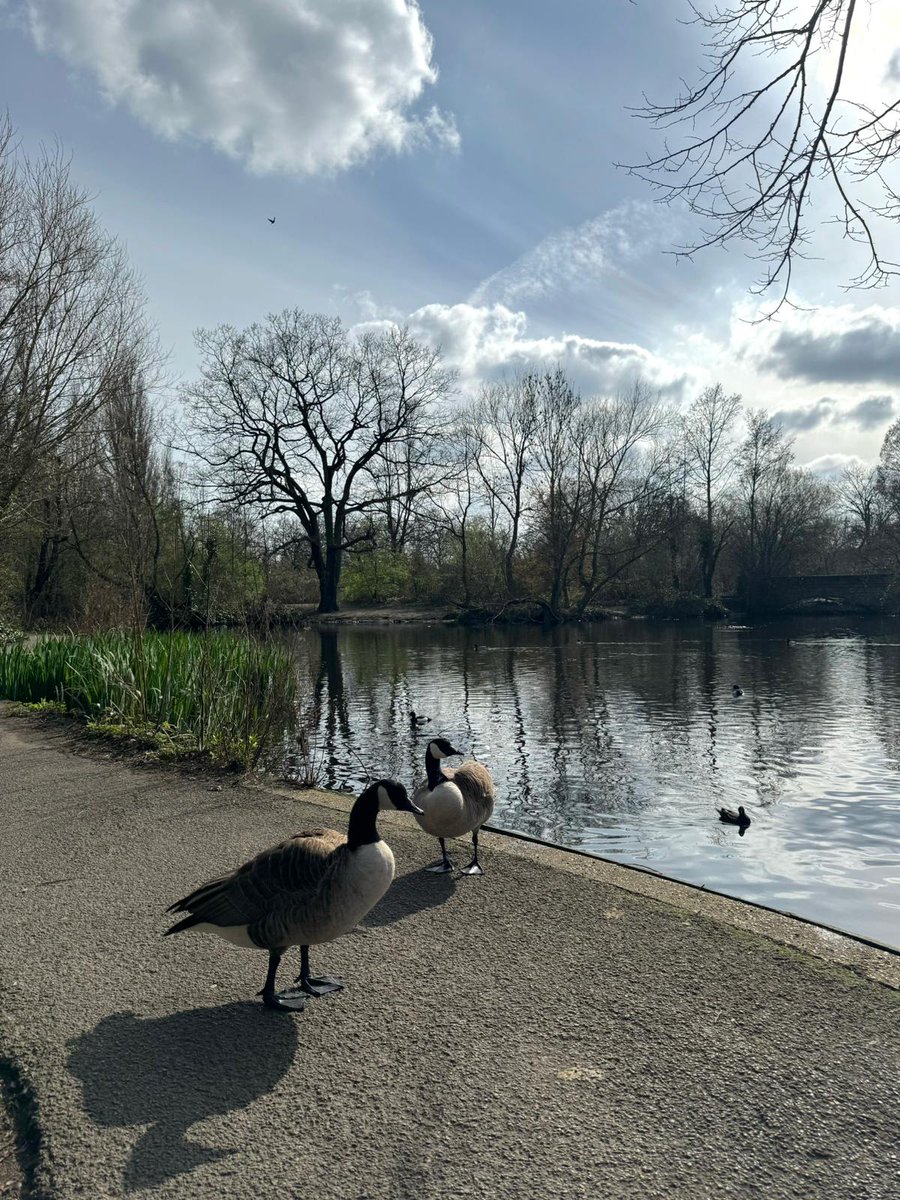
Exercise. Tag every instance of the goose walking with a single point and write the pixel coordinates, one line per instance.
(452, 802)
(306, 890)
(730, 817)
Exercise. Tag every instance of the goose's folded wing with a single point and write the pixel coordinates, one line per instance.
(475, 780)
(296, 866)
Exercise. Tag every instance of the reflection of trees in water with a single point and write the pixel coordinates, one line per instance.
(881, 676)
(330, 700)
(588, 729)
(520, 799)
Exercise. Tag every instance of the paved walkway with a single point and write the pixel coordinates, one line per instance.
(557, 1028)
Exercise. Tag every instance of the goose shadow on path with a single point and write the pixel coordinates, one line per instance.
(170, 1072)
(411, 893)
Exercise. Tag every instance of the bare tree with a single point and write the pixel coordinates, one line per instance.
(120, 499)
(754, 157)
(711, 463)
(507, 425)
(764, 457)
(598, 489)
(296, 416)
(455, 506)
(558, 495)
(860, 500)
(672, 469)
(71, 312)
(792, 515)
(621, 485)
(409, 473)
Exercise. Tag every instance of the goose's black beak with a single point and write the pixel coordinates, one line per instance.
(404, 804)
(459, 752)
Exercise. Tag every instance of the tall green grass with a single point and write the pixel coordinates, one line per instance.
(228, 697)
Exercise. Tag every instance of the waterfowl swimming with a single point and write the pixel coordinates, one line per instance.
(737, 690)
(730, 817)
(415, 719)
(309, 889)
(452, 802)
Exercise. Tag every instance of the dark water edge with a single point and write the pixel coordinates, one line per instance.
(622, 738)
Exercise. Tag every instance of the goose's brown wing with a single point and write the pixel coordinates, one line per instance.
(475, 779)
(273, 879)
(476, 783)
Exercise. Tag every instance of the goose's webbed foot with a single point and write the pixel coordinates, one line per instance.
(314, 985)
(290, 1000)
(444, 864)
(319, 985)
(474, 867)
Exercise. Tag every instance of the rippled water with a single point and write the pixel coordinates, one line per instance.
(622, 739)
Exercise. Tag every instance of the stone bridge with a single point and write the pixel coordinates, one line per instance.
(853, 593)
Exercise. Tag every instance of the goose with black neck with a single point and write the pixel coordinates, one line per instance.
(309, 889)
(453, 802)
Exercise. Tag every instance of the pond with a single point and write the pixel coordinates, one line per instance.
(623, 738)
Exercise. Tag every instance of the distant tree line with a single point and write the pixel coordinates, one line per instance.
(315, 466)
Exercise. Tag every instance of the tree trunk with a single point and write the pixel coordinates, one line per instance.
(707, 559)
(330, 580)
(464, 566)
(508, 570)
(556, 590)
(44, 571)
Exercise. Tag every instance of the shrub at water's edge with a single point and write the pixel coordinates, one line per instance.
(229, 699)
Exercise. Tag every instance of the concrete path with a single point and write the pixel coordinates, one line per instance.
(558, 1028)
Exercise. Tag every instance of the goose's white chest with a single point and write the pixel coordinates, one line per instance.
(368, 875)
(444, 811)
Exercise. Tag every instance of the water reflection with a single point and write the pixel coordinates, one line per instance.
(625, 738)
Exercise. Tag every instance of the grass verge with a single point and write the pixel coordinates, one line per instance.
(227, 700)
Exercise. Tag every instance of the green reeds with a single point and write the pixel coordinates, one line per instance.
(230, 698)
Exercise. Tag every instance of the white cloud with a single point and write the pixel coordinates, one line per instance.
(576, 258)
(296, 86)
(867, 414)
(833, 344)
(486, 341)
(832, 466)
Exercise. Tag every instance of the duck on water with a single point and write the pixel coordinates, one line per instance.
(730, 817)
(309, 889)
(453, 802)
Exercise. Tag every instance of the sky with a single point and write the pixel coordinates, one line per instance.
(449, 165)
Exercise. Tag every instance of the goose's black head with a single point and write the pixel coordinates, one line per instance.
(440, 748)
(392, 794)
(382, 794)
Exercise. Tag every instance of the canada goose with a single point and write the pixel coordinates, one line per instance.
(737, 690)
(730, 817)
(415, 719)
(271, 220)
(452, 802)
(309, 889)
